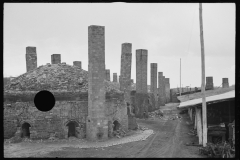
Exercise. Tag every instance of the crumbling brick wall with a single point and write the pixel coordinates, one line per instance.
(141, 104)
(43, 124)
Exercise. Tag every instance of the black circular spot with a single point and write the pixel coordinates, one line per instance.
(44, 101)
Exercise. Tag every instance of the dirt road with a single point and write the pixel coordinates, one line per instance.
(168, 141)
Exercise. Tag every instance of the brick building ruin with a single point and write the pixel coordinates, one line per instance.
(87, 106)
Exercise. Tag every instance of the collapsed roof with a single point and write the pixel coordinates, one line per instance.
(55, 77)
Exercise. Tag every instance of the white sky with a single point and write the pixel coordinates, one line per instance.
(169, 31)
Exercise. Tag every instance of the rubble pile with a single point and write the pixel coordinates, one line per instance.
(174, 117)
(192, 132)
(142, 128)
(53, 137)
(26, 140)
(55, 77)
(119, 133)
(219, 150)
(155, 114)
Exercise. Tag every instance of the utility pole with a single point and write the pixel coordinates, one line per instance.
(180, 77)
(204, 108)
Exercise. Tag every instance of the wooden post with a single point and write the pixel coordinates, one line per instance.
(229, 111)
(191, 114)
(180, 78)
(204, 108)
(195, 118)
(199, 125)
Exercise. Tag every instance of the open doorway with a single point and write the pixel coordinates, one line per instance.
(72, 129)
(25, 130)
(116, 125)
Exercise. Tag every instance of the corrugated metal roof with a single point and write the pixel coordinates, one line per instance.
(218, 97)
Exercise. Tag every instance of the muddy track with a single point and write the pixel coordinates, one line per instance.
(164, 143)
(146, 147)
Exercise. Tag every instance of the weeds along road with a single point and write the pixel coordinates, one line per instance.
(167, 141)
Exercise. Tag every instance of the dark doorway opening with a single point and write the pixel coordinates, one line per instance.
(25, 130)
(72, 129)
(116, 125)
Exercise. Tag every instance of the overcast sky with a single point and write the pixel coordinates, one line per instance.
(169, 31)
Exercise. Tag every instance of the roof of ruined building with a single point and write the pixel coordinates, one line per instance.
(56, 78)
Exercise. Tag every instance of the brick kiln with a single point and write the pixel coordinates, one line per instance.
(69, 85)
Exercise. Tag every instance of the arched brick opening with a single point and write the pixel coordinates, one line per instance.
(25, 130)
(72, 128)
(116, 125)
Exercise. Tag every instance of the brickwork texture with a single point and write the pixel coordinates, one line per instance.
(167, 90)
(161, 89)
(115, 77)
(77, 63)
(31, 58)
(225, 83)
(97, 123)
(55, 58)
(154, 82)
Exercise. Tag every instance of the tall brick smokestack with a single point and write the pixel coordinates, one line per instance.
(31, 58)
(97, 122)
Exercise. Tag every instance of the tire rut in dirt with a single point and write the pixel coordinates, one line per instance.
(145, 148)
(164, 145)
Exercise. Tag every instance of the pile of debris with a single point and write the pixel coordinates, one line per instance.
(219, 150)
(155, 114)
(55, 77)
(192, 132)
(174, 117)
(142, 128)
(119, 133)
(53, 137)
(27, 140)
